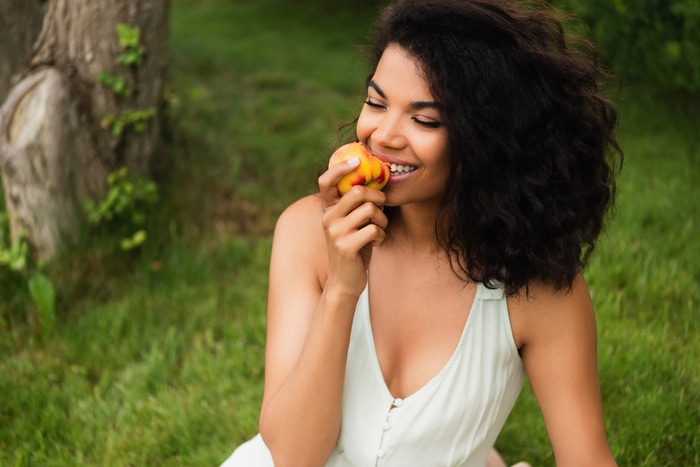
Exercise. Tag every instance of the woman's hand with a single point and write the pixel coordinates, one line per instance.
(353, 224)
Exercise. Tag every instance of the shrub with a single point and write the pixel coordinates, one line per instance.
(654, 42)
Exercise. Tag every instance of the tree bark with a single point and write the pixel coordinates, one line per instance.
(20, 23)
(54, 151)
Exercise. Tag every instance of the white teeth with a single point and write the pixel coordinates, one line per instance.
(401, 169)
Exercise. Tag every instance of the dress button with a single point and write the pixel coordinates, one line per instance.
(387, 426)
(398, 402)
(380, 453)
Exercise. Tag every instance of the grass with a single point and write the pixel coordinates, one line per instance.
(157, 359)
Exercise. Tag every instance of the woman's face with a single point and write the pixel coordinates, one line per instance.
(401, 124)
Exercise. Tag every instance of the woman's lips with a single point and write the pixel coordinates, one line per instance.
(399, 169)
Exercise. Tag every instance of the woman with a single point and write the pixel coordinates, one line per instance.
(402, 322)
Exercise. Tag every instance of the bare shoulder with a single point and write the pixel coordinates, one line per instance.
(303, 213)
(542, 310)
(299, 239)
(300, 223)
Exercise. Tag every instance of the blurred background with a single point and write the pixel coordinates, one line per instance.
(137, 338)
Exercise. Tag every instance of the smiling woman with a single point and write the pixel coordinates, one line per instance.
(408, 339)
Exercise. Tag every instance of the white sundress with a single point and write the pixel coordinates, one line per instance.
(453, 420)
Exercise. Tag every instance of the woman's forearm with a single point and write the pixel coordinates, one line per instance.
(300, 423)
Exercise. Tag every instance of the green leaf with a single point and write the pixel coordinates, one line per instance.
(130, 57)
(15, 257)
(18, 260)
(128, 36)
(42, 292)
(117, 128)
(136, 240)
(106, 78)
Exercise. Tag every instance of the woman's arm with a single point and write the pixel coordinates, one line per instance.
(317, 273)
(559, 350)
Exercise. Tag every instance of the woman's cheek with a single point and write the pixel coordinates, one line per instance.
(365, 126)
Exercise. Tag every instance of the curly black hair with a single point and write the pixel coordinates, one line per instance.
(531, 138)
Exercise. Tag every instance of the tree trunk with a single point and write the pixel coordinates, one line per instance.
(54, 149)
(20, 23)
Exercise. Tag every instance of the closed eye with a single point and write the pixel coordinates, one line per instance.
(376, 105)
(427, 123)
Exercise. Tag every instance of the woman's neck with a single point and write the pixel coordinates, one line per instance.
(413, 227)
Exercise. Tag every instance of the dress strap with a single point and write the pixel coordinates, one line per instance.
(486, 293)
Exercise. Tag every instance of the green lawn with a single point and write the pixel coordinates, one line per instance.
(157, 359)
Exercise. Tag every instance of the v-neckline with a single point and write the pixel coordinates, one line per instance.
(435, 378)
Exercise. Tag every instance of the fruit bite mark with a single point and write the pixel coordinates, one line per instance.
(371, 172)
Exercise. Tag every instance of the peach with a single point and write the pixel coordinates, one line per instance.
(371, 172)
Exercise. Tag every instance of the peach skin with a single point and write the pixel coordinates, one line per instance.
(371, 172)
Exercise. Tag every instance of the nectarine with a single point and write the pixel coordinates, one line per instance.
(371, 172)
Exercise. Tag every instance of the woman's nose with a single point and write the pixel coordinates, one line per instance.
(389, 131)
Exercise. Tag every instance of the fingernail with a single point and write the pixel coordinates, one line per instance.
(354, 161)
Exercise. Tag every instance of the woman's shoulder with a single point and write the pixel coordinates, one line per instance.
(299, 239)
(541, 309)
(301, 217)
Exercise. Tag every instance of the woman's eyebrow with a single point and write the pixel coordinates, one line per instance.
(414, 105)
(376, 87)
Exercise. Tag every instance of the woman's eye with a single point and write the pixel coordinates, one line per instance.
(371, 103)
(427, 123)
